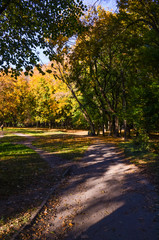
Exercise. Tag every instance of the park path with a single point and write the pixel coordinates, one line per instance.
(105, 198)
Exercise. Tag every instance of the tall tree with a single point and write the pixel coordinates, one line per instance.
(96, 68)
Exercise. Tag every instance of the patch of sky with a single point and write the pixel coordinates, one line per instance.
(110, 5)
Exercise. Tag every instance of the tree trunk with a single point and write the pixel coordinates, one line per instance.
(83, 109)
(124, 105)
(115, 126)
(103, 129)
(125, 129)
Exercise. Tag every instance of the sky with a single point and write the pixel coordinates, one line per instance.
(107, 4)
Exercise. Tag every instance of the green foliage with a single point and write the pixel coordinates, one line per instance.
(25, 25)
(111, 72)
(141, 142)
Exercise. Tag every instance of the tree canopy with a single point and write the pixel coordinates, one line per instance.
(111, 71)
(27, 24)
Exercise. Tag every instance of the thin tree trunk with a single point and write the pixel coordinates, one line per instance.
(83, 109)
(125, 129)
(124, 105)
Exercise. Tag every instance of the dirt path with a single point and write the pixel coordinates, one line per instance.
(104, 199)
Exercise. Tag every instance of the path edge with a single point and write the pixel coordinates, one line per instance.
(40, 208)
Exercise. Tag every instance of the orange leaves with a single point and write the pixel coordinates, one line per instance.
(12, 92)
(51, 96)
(41, 98)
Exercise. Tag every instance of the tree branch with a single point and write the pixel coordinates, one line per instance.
(145, 21)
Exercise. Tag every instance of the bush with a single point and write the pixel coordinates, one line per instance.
(142, 141)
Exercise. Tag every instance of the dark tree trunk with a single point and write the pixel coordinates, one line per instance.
(103, 129)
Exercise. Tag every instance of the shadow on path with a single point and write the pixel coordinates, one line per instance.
(105, 198)
(108, 199)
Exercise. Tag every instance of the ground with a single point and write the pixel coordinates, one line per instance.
(104, 197)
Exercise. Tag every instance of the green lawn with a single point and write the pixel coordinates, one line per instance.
(19, 166)
(33, 131)
(69, 147)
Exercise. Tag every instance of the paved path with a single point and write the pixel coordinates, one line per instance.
(107, 199)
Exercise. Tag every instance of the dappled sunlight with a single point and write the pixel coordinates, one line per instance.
(103, 192)
(44, 131)
(102, 186)
(110, 139)
(119, 168)
(65, 146)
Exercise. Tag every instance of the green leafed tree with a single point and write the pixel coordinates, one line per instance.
(143, 17)
(96, 68)
(27, 24)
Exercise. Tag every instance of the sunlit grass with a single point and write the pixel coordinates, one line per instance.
(110, 139)
(33, 131)
(11, 138)
(66, 146)
(20, 167)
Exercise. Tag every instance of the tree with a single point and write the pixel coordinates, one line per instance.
(14, 100)
(143, 17)
(96, 68)
(51, 101)
(7, 99)
(26, 25)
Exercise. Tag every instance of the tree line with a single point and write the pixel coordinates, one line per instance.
(108, 78)
(40, 100)
(114, 67)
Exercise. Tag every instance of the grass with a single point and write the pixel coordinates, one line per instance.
(24, 175)
(69, 147)
(20, 168)
(33, 131)
(146, 159)
(19, 165)
(10, 138)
